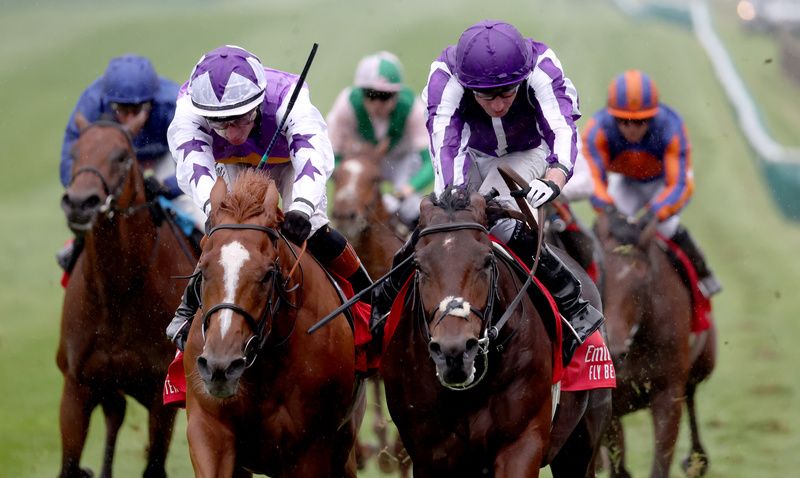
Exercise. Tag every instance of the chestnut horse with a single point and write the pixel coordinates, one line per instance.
(262, 395)
(470, 400)
(118, 299)
(649, 314)
(359, 214)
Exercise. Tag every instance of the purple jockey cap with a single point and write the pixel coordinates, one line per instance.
(227, 81)
(129, 79)
(491, 54)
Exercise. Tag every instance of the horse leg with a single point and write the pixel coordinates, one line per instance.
(615, 441)
(523, 457)
(211, 446)
(114, 406)
(666, 408)
(696, 464)
(161, 422)
(77, 403)
(578, 454)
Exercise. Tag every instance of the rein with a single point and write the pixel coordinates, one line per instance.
(276, 298)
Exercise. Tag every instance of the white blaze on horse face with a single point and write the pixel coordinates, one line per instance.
(231, 257)
(624, 272)
(355, 169)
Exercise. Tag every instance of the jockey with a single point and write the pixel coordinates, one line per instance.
(495, 98)
(226, 115)
(381, 117)
(640, 158)
(132, 94)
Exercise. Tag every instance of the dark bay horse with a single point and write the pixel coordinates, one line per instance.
(118, 300)
(262, 395)
(466, 402)
(359, 214)
(649, 313)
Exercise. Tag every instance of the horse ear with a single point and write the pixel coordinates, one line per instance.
(478, 205)
(601, 226)
(425, 210)
(218, 193)
(81, 122)
(271, 198)
(647, 234)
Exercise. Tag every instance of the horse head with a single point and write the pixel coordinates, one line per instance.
(242, 286)
(456, 278)
(101, 174)
(357, 199)
(627, 286)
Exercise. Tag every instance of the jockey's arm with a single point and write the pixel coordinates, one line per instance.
(191, 149)
(596, 152)
(678, 176)
(448, 136)
(310, 152)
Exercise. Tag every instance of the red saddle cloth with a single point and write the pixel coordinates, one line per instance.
(701, 305)
(175, 382)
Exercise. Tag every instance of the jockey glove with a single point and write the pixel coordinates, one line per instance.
(153, 188)
(296, 226)
(539, 192)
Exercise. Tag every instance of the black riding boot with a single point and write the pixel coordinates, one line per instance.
(68, 255)
(383, 294)
(706, 281)
(565, 288)
(333, 251)
(178, 329)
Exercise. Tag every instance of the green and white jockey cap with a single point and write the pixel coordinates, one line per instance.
(381, 72)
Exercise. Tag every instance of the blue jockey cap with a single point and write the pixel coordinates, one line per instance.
(491, 54)
(227, 81)
(130, 79)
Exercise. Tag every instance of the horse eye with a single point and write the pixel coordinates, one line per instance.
(267, 276)
(488, 262)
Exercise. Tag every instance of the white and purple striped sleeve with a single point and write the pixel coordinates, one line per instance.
(448, 132)
(558, 103)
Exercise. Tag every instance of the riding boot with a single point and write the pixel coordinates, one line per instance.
(706, 281)
(333, 251)
(384, 294)
(178, 328)
(68, 255)
(582, 317)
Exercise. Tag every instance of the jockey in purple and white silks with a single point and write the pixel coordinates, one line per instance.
(497, 97)
(226, 115)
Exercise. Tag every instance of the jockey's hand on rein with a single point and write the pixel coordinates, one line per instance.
(153, 188)
(539, 192)
(296, 226)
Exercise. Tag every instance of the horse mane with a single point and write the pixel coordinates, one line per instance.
(246, 198)
(452, 199)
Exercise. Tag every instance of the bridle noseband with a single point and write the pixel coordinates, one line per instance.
(276, 297)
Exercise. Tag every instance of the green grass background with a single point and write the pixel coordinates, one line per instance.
(49, 52)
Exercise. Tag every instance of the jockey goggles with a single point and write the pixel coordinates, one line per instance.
(127, 108)
(489, 94)
(222, 124)
(370, 94)
(633, 122)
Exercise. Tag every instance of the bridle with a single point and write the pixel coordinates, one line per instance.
(488, 331)
(276, 297)
(109, 207)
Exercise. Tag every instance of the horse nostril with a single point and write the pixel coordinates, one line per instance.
(202, 366)
(235, 369)
(91, 202)
(435, 348)
(472, 344)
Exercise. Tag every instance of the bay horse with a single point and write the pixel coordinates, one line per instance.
(649, 314)
(358, 213)
(118, 299)
(263, 396)
(469, 400)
